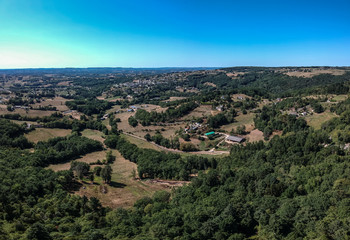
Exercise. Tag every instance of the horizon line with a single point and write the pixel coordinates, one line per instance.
(290, 66)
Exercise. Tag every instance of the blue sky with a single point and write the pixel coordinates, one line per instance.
(173, 33)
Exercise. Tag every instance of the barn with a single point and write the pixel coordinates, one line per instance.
(235, 139)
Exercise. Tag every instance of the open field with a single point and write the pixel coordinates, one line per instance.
(338, 98)
(23, 112)
(93, 134)
(171, 99)
(88, 158)
(57, 102)
(316, 120)
(201, 111)
(255, 136)
(140, 143)
(139, 130)
(124, 190)
(44, 134)
(243, 119)
(144, 144)
(312, 72)
(234, 75)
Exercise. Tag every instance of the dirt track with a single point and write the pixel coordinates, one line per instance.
(211, 152)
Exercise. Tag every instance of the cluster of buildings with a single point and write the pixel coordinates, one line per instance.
(300, 112)
(193, 127)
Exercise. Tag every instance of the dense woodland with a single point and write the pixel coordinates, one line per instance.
(292, 186)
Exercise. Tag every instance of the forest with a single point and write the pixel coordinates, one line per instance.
(292, 187)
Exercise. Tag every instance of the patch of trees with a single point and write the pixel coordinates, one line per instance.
(11, 135)
(188, 147)
(147, 118)
(132, 121)
(57, 120)
(18, 101)
(268, 82)
(341, 107)
(155, 164)
(271, 119)
(221, 119)
(299, 102)
(220, 80)
(28, 193)
(89, 106)
(63, 149)
(159, 139)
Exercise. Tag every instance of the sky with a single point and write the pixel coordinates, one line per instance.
(173, 33)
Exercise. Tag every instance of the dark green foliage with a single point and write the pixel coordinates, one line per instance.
(162, 141)
(81, 169)
(172, 113)
(11, 134)
(97, 171)
(89, 106)
(188, 147)
(221, 119)
(62, 149)
(317, 108)
(132, 121)
(271, 119)
(106, 174)
(154, 164)
(110, 158)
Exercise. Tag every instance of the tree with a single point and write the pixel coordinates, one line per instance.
(132, 121)
(92, 177)
(38, 231)
(148, 137)
(241, 130)
(110, 158)
(80, 168)
(188, 147)
(106, 174)
(97, 171)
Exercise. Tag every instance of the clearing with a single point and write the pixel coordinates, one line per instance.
(44, 134)
(88, 158)
(58, 102)
(243, 119)
(124, 190)
(316, 120)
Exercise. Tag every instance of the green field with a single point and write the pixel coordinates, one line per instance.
(316, 120)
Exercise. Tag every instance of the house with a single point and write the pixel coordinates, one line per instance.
(235, 139)
(219, 108)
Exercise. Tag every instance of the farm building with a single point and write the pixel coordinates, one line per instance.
(234, 139)
(209, 133)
